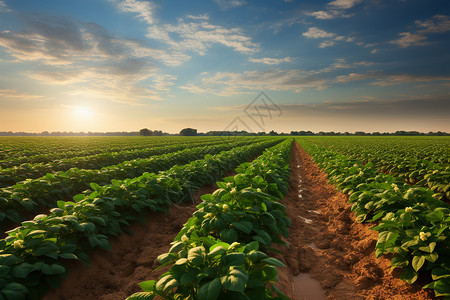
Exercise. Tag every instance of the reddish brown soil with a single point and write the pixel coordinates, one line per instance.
(115, 274)
(332, 247)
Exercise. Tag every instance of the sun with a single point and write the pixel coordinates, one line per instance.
(83, 111)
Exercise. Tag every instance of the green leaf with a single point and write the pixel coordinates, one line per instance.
(243, 226)
(409, 275)
(234, 259)
(94, 186)
(141, 296)
(176, 247)
(53, 269)
(68, 256)
(195, 255)
(189, 276)
(235, 280)
(229, 235)
(3, 271)
(417, 262)
(147, 286)
(14, 290)
(438, 273)
(22, 270)
(274, 262)
(79, 197)
(216, 251)
(8, 259)
(429, 248)
(210, 290)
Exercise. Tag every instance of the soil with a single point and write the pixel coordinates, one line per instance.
(115, 274)
(326, 243)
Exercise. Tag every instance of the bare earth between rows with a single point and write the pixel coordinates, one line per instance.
(324, 242)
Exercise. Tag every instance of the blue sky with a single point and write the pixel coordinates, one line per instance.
(109, 65)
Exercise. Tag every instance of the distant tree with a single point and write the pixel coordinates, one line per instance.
(145, 132)
(188, 132)
(273, 133)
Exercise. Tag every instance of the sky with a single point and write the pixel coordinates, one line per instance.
(123, 65)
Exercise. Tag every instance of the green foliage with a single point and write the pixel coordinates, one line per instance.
(218, 253)
(31, 254)
(32, 194)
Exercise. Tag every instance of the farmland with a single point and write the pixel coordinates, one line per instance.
(217, 217)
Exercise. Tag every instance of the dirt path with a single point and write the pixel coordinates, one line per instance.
(327, 245)
(116, 274)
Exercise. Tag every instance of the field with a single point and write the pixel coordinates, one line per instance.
(225, 218)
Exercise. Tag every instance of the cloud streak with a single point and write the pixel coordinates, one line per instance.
(271, 61)
(317, 33)
(4, 7)
(87, 56)
(196, 35)
(436, 24)
(228, 4)
(335, 9)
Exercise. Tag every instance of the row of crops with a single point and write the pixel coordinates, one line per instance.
(221, 252)
(421, 161)
(15, 151)
(32, 256)
(413, 225)
(17, 202)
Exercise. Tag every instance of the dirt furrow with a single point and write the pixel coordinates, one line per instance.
(115, 274)
(328, 245)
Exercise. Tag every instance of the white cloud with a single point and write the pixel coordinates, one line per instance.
(200, 36)
(408, 39)
(227, 4)
(3, 7)
(327, 44)
(199, 17)
(330, 14)
(383, 79)
(335, 9)
(343, 4)
(315, 33)
(271, 61)
(436, 24)
(196, 35)
(144, 9)
(15, 95)
(163, 82)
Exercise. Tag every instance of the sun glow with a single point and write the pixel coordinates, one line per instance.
(83, 111)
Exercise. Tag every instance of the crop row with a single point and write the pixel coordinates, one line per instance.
(220, 251)
(18, 201)
(32, 256)
(10, 176)
(19, 150)
(420, 161)
(413, 225)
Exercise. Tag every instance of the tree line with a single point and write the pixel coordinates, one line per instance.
(194, 132)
